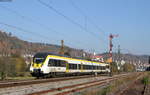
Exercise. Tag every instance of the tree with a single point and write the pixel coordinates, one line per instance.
(4, 67)
(114, 68)
(20, 65)
(128, 67)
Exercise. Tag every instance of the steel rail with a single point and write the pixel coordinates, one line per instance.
(77, 87)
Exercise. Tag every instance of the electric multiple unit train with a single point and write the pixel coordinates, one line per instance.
(47, 64)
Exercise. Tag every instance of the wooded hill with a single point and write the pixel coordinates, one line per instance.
(11, 44)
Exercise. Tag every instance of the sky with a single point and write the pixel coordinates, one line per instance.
(82, 24)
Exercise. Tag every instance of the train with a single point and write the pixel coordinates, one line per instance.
(51, 65)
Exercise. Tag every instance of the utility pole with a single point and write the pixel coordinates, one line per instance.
(62, 48)
(149, 63)
(149, 60)
(110, 51)
(119, 58)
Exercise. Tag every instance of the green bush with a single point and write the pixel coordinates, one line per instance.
(12, 66)
(146, 80)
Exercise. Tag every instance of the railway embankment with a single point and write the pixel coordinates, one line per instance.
(135, 84)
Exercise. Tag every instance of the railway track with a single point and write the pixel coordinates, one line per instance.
(59, 86)
(6, 84)
(145, 90)
(77, 87)
(127, 90)
(73, 88)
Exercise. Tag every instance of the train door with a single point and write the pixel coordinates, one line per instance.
(67, 67)
(81, 67)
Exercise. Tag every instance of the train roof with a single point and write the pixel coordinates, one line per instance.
(45, 54)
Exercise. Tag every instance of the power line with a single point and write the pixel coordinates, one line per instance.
(30, 19)
(67, 18)
(89, 19)
(34, 21)
(24, 30)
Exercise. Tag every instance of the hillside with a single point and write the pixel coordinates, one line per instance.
(11, 44)
(128, 58)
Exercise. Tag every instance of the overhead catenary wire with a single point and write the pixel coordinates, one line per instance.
(71, 20)
(87, 18)
(24, 30)
(68, 18)
(29, 19)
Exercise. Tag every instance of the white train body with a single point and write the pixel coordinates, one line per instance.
(49, 64)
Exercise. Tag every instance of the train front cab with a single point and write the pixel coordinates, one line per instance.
(36, 67)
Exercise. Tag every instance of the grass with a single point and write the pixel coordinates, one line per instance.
(20, 78)
(146, 80)
(106, 90)
(112, 87)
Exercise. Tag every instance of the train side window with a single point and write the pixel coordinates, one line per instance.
(85, 67)
(93, 67)
(72, 66)
(89, 67)
(57, 63)
(63, 63)
(75, 66)
(100, 67)
(51, 62)
(97, 67)
(103, 67)
(79, 66)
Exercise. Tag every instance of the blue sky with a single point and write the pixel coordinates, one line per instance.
(130, 19)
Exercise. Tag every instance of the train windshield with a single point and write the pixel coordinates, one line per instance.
(39, 60)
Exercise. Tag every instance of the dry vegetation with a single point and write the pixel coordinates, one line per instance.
(112, 88)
